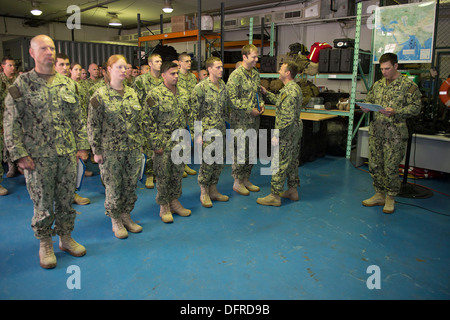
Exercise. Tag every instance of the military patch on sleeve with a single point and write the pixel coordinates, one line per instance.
(413, 88)
(94, 102)
(14, 92)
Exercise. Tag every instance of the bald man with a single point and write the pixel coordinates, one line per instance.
(45, 134)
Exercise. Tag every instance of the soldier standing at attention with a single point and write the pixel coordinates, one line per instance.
(93, 75)
(186, 80)
(115, 130)
(7, 78)
(243, 88)
(210, 103)
(288, 104)
(142, 85)
(167, 108)
(43, 131)
(62, 66)
(388, 132)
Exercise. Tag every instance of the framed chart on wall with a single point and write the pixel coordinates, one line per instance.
(406, 30)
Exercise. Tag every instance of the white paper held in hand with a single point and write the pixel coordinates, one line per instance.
(371, 107)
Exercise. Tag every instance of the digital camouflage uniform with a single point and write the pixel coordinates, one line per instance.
(142, 85)
(166, 113)
(94, 87)
(210, 105)
(43, 121)
(5, 83)
(115, 130)
(187, 81)
(288, 105)
(388, 136)
(242, 87)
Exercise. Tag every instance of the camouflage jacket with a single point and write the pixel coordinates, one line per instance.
(402, 95)
(187, 81)
(91, 90)
(115, 122)
(143, 84)
(288, 105)
(166, 113)
(42, 119)
(242, 88)
(83, 98)
(5, 83)
(210, 105)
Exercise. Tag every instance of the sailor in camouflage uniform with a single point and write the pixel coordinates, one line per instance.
(244, 91)
(7, 78)
(210, 105)
(45, 134)
(290, 128)
(142, 85)
(3, 190)
(167, 107)
(388, 132)
(186, 80)
(115, 130)
(62, 66)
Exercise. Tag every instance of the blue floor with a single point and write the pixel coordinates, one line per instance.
(317, 248)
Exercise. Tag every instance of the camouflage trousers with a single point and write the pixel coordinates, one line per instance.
(51, 187)
(168, 176)
(1, 158)
(243, 170)
(149, 164)
(212, 164)
(387, 146)
(120, 172)
(287, 159)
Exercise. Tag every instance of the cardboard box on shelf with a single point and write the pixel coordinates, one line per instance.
(182, 23)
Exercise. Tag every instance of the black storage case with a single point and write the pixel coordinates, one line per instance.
(268, 64)
(335, 60)
(344, 43)
(324, 61)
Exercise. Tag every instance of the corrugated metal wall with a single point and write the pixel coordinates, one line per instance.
(81, 52)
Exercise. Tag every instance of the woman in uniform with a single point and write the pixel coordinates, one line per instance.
(115, 123)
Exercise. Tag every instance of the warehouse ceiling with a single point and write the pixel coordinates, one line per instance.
(98, 12)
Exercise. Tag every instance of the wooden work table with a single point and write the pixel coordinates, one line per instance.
(311, 116)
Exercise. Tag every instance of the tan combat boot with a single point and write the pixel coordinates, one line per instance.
(390, 203)
(204, 197)
(376, 200)
(80, 200)
(118, 228)
(270, 200)
(165, 214)
(189, 170)
(250, 186)
(215, 195)
(149, 182)
(66, 243)
(239, 187)
(3, 191)
(129, 224)
(47, 256)
(291, 194)
(176, 207)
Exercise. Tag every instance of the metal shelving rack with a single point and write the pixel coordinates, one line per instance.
(188, 35)
(351, 132)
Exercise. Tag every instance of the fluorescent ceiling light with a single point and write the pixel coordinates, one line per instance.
(35, 11)
(167, 6)
(114, 21)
